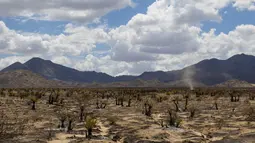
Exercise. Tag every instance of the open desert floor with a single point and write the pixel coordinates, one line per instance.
(127, 115)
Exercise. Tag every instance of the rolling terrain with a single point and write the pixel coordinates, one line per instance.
(26, 79)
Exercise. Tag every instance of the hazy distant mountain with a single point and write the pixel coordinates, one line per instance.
(161, 76)
(125, 78)
(206, 72)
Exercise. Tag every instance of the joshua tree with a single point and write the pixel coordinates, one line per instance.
(176, 103)
(220, 123)
(235, 96)
(216, 105)
(249, 113)
(186, 96)
(33, 99)
(83, 100)
(251, 96)
(173, 119)
(62, 116)
(121, 100)
(116, 100)
(50, 100)
(70, 119)
(81, 112)
(160, 98)
(216, 102)
(90, 123)
(148, 107)
(101, 104)
(97, 103)
(138, 97)
(129, 101)
(192, 110)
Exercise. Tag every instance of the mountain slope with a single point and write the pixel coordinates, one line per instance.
(215, 71)
(15, 66)
(54, 71)
(211, 72)
(25, 78)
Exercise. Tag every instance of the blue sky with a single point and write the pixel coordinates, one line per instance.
(231, 18)
(114, 19)
(95, 35)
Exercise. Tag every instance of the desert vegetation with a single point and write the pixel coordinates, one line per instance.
(127, 115)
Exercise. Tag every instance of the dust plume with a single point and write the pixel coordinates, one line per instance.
(188, 77)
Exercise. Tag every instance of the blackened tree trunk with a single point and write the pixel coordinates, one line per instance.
(176, 105)
(232, 98)
(50, 101)
(33, 105)
(129, 102)
(62, 123)
(116, 100)
(186, 104)
(97, 103)
(89, 133)
(81, 113)
(216, 105)
(69, 128)
(122, 102)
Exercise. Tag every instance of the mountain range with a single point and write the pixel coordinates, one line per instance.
(207, 72)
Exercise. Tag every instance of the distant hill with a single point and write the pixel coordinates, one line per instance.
(25, 78)
(183, 83)
(207, 72)
(235, 84)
